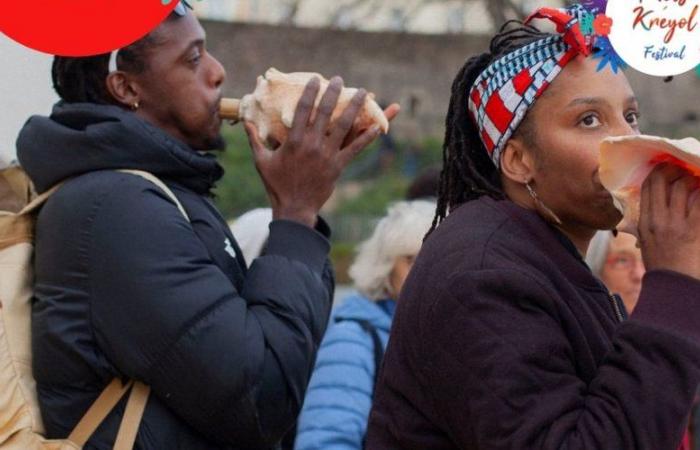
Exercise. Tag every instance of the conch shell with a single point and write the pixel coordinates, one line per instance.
(271, 106)
(625, 162)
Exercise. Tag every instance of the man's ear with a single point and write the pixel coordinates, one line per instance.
(517, 162)
(122, 89)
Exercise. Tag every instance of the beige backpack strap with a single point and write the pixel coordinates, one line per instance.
(39, 201)
(108, 399)
(99, 410)
(155, 180)
(133, 414)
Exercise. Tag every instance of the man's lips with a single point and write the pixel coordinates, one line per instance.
(216, 107)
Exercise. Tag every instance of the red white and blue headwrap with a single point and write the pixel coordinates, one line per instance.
(506, 90)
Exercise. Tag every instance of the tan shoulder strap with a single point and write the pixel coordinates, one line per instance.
(133, 414)
(104, 404)
(39, 200)
(115, 391)
(99, 410)
(155, 180)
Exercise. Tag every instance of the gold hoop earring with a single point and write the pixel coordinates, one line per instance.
(541, 204)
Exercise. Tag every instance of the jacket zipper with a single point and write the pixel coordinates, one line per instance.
(616, 307)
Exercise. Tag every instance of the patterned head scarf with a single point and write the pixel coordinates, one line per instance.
(506, 90)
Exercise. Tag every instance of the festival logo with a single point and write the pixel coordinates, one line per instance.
(656, 37)
(81, 27)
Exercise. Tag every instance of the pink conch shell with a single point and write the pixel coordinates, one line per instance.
(626, 161)
(271, 106)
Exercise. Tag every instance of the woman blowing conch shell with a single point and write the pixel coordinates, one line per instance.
(502, 337)
(271, 106)
(626, 161)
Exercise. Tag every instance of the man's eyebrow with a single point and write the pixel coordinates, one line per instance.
(195, 43)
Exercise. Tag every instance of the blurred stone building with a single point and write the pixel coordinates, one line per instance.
(413, 16)
(413, 69)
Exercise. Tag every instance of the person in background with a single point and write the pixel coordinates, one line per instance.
(425, 185)
(339, 396)
(252, 230)
(617, 261)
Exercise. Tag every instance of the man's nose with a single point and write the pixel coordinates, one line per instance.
(218, 73)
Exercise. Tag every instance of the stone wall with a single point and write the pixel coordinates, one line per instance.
(415, 70)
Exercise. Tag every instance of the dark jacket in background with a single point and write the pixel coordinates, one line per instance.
(503, 339)
(127, 287)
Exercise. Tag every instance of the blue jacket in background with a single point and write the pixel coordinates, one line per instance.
(339, 396)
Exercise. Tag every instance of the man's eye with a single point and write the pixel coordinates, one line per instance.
(196, 58)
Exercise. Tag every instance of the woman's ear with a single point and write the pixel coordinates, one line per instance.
(122, 89)
(517, 162)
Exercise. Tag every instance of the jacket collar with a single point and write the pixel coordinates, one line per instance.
(558, 248)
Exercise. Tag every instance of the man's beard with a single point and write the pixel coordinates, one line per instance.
(217, 143)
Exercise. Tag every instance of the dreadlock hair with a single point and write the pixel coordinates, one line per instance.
(468, 172)
(83, 79)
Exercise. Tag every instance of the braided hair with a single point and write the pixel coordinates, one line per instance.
(468, 172)
(83, 79)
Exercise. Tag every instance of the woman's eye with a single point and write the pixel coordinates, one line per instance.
(632, 118)
(196, 58)
(590, 121)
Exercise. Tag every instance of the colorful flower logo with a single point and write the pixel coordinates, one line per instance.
(654, 37)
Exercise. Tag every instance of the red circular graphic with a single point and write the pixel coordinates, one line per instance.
(80, 27)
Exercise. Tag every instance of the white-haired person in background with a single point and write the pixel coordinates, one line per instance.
(339, 397)
(618, 263)
(252, 229)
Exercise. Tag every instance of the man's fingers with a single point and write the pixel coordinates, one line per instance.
(392, 111)
(344, 123)
(357, 145)
(302, 113)
(256, 144)
(327, 105)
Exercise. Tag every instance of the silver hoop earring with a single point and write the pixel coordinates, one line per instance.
(541, 204)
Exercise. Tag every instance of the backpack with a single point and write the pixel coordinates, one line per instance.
(20, 419)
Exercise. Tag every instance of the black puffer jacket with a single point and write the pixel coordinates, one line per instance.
(126, 286)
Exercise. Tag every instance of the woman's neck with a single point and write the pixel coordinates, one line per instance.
(579, 235)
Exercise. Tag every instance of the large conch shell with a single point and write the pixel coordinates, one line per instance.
(271, 106)
(626, 161)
